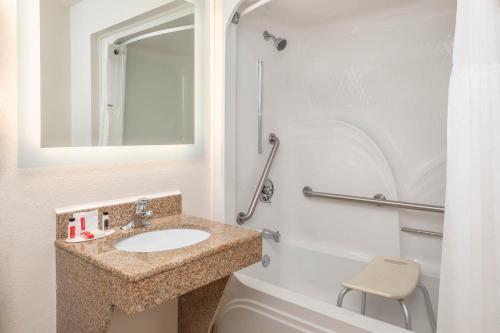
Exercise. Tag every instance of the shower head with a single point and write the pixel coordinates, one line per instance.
(279, 43)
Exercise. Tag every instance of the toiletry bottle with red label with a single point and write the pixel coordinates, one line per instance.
(82, 224)
(105, 221)
(71, 228)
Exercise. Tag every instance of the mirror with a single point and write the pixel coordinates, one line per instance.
(118, 72)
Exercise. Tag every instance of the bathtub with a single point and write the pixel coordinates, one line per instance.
(358, 100)
(298, 291)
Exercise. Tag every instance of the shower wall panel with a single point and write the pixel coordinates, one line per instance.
(359, 103)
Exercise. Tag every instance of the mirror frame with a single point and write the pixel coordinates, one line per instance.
(30, 153)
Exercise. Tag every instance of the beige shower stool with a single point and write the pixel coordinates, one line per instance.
(392, 278)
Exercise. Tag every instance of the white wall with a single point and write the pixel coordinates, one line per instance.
(28, 198)
(55, 73)
(159, 97)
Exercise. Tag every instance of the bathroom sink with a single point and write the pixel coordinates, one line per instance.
(162, 240)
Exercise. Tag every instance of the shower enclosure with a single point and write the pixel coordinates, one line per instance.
(146, 82)
(357, 95)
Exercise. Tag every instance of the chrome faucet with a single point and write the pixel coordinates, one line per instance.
(274, 235)
(141, 214)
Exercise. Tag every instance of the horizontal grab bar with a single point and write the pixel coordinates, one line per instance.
(243, 216)
(308, 192)
(423, 232)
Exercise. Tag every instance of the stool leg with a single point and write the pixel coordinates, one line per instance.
(406, 314)
(363, 303)
(340, 299)
(428, 305)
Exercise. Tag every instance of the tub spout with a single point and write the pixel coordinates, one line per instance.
(269, 234)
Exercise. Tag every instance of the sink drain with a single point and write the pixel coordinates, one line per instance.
(266, 260)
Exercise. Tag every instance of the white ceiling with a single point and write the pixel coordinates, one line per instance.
(317, 12)
(65, 2)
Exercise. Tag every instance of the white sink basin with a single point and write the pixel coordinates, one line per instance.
(161, 240)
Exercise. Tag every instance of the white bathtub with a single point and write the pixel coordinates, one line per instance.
(298, 293)
(358, 100)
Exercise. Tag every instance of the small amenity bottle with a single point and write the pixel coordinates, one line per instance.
(71, 228)
(105, 221)
(82, 225)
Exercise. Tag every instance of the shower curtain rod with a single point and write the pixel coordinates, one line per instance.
(378, 200)
(256, 5)
(156, 33)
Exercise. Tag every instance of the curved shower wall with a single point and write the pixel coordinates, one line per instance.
(358, 99)
(360, 106)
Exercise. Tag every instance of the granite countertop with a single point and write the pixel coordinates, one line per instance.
(133, 266)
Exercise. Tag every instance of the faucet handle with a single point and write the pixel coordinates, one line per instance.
(142, 200)
(140, 205)
(147, 214)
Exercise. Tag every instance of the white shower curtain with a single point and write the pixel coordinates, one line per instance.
(469, 298)
(112, 107)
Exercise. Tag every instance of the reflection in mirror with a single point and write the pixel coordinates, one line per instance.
(121, 79)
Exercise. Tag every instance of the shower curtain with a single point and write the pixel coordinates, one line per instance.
(112, 106)
(469, 298)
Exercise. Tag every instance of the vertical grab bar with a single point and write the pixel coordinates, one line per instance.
(242, 217)
(260, 93)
